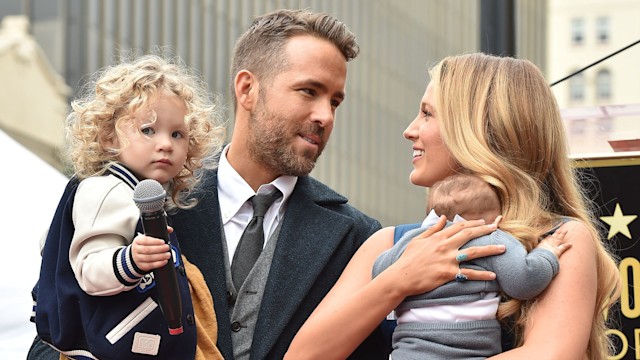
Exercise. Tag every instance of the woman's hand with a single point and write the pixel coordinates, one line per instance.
(433, 258)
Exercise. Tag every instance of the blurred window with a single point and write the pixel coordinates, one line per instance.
(602, 30)
(603, 85)
(576, 87)
(577, 31)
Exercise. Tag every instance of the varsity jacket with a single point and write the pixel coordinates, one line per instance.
(123, 322)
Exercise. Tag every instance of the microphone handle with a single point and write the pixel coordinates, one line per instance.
(155, 225)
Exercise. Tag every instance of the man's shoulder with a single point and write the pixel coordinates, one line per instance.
(319, 192)
(330, 199)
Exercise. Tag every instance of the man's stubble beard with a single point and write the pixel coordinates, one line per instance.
(269, 143)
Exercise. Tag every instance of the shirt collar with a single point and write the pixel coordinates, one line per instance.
(432, 219)
(233, 190)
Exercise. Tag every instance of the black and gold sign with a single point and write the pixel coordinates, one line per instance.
(614, 185)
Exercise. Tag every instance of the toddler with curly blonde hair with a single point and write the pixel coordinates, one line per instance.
(147, 118)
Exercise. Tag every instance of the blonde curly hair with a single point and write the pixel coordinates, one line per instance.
(111, 100)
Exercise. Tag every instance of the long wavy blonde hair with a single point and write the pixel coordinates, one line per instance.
(500, 121)
(113, 97)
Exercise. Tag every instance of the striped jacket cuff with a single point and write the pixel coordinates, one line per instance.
(125, 269)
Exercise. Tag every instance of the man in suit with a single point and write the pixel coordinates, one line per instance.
(289, 74)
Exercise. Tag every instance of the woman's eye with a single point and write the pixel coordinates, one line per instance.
(147, 131)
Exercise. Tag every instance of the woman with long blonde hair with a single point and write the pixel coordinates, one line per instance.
(494, 117)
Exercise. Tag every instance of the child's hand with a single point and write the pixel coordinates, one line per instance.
(555, 243)
(149, 253)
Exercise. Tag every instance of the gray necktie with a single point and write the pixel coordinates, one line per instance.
(252, 239)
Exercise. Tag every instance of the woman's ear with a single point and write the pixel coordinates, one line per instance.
(246, 88)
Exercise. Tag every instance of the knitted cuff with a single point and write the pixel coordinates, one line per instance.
(125, 269)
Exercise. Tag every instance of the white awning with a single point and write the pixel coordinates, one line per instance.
(31, 189)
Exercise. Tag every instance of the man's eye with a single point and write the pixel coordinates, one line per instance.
(308, 91)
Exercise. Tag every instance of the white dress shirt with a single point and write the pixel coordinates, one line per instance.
(236, 210)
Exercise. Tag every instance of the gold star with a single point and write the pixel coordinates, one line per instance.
(619, 223)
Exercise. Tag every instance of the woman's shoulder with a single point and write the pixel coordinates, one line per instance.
(382, 238)
(574, 227)
(581, 237)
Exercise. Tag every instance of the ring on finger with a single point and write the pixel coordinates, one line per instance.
(461, 257)
(460, 277)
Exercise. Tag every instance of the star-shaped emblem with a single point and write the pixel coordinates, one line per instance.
(619, 223)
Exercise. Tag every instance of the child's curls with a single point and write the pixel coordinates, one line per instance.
(115, 95)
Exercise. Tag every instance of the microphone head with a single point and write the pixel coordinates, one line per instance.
(149, 196)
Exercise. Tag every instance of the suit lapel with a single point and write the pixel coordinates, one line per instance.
(303, 250)
(199, 233)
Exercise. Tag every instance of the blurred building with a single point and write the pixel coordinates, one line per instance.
(33, 96)
(581, 32)
(368, 160)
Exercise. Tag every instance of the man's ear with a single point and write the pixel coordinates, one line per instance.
(246, 87)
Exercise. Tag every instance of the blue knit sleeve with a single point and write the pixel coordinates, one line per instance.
(522, 275)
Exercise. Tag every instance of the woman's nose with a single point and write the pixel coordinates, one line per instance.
(411, 132)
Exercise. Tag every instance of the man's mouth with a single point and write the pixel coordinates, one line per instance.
(310, 140)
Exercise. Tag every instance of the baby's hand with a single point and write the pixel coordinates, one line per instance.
(149, 253)
(555, 243)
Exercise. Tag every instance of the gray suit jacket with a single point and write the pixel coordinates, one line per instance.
(319, 235)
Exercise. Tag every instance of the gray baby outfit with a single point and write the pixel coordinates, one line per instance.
(519, 275)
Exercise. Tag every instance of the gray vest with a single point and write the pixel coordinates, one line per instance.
(244, 311)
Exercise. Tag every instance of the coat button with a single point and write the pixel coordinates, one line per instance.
(235, 326)
(190, 319)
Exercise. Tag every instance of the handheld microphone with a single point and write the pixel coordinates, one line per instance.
(149, 197)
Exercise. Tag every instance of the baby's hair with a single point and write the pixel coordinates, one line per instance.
(113, 97)
(465, 195)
